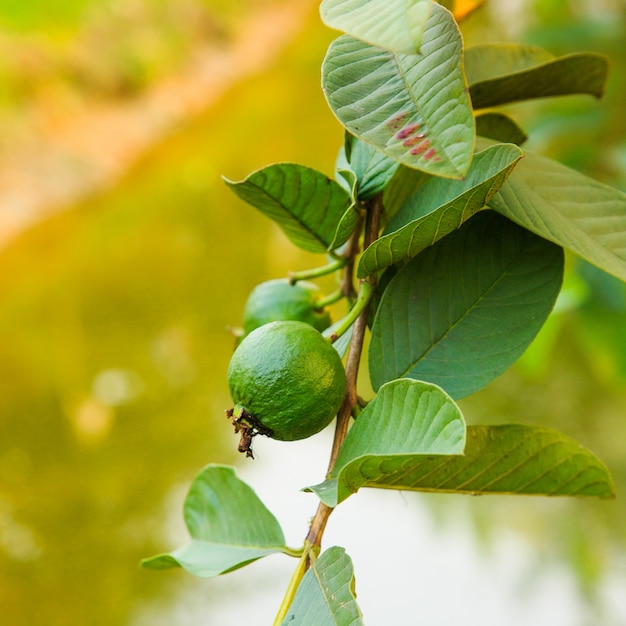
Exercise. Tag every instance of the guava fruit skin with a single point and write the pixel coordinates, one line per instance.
(277, 299)
(289, 378)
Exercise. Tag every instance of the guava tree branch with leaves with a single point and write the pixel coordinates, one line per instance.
(448, 242)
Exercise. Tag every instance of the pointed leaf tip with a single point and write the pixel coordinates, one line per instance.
(503, 73)
(306, 204)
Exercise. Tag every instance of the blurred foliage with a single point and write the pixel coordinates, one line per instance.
(114, 349)
(573, 377)
(77, 50)
(587, 135)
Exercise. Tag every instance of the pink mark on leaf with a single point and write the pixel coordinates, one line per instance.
(396, 122)
(421, 148)
(430, 154)
(414, 140)
(407, 131)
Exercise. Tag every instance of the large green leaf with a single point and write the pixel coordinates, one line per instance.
(566, 207)
(404, 183)
(396, 25)
(406, 419)
(506, 459)
(229, 527)
(439, 208)
(462, 311)
(502, 73)
(326, 594)
(413, 107)
(306, 204)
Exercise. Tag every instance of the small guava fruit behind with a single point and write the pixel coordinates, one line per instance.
(277, 299)
(287, 382)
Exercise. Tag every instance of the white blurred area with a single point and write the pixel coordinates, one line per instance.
(409, 568)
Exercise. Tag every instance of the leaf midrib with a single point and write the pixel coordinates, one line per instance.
(418, 107)
(471, 308)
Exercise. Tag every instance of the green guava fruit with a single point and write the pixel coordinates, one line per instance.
(287, 382)
(277, 299)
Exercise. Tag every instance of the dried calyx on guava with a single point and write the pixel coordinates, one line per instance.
(278, 299)
(287, 382)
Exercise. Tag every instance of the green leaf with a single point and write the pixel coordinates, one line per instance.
(372, 168)
(349, 219)
(396, 25)
(439, 208)
(500, 127)
(326, 595)
(229, 527)
(406, 419)
(344, 175)
(405, 182)
(494, 60)
(412, 107)
(506, 459)
(462, 311)
(343, 343)
(306, 204)
(503, 73)
(348, 180)
(568, 208)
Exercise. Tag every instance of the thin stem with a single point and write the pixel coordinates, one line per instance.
(373, 220)
(294, 583)
(351, 251)
(294, 552)
(318, 525)
(363, 298)
(350, 399)
(331, 298)
(317, 272)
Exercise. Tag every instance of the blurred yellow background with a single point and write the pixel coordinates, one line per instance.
(124, 259)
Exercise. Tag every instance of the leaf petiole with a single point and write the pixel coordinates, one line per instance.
(317, 272)
(363, 298)
(308, 552)
(294, 552)
(329, 299)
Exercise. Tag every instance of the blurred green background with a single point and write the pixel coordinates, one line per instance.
(114, 310)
